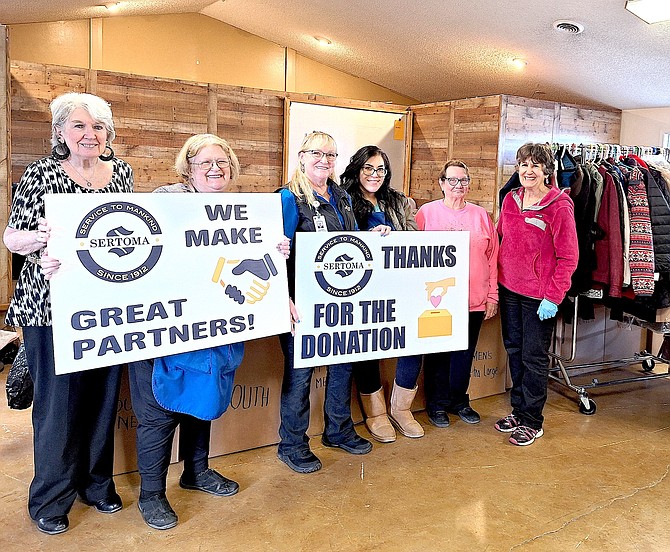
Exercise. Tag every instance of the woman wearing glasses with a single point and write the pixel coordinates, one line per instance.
(447, 375)
(313, 202)
(164, 394)
(367, 178)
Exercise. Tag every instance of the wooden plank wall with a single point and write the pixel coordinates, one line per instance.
(33, 86)
(475, 141)
(153, 117)
(526, 120)
(5, 154)
(462, 129)
(431, 147)
(486, 133)
(253, 123)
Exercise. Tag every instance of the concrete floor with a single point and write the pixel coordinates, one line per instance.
(592, 483)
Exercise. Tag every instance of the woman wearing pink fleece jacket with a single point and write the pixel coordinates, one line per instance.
(538, 254)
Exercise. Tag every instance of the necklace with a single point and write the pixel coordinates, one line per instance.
(88, 182)
(321, 190)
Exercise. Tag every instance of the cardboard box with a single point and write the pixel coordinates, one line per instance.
(252, 420)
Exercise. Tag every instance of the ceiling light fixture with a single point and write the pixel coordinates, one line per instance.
(111, 6)
(519, 63)
(322, 40)
(650, 11)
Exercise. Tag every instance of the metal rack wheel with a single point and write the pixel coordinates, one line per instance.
(648, 364)
(587, 406)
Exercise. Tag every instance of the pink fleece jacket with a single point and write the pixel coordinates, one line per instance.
(538, 251)
(483, 245)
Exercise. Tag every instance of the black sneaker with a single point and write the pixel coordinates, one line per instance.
(507, 424)
(210, 481)
(524, 435)
(157, 512)
(354, 445)
(302, 461)
(439, 418)
(469, 416)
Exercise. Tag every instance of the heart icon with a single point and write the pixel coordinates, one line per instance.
(435, 300)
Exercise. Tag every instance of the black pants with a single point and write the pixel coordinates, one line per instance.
(447, 375)
(527, 340)
(73, 429)
(155, 433)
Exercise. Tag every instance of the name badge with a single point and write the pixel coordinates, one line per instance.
(320, 223)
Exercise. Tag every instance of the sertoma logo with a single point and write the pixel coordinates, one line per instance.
(119, 241)
(343, 265)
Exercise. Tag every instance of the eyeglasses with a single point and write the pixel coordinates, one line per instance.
(318, 155)
(369, 170)
(207, 165)
(454, 182)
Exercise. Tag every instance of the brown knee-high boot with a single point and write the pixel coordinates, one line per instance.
(401, 413)
(376, 420)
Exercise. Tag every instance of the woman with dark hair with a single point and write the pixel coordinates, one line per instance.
(538, 254)
(367, 178)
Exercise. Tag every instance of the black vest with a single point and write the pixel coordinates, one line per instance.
(306, 213)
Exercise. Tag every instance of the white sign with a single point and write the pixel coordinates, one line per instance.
(362, 296)
(148, 275)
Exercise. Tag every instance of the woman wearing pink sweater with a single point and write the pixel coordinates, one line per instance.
(447, 375)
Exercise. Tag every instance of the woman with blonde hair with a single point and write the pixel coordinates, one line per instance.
(186, 389)
(313, 202)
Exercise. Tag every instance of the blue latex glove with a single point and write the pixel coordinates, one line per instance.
(547, 309)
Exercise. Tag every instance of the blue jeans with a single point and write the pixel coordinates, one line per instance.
(296, 384)
(366, 373)
(447, 374)
(527, 340)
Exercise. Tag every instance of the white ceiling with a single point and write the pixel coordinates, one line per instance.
(434, 50)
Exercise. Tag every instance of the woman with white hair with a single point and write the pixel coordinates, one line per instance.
(73, 414)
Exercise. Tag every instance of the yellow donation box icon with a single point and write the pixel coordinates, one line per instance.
(436, 322)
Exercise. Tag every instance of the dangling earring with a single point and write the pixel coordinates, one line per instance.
(302, 167)
(547, 179)
(60, 151)
(109, 156)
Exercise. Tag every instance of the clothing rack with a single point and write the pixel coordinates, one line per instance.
(560, 368)
(598, 152)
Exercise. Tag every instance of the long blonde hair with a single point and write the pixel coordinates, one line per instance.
(301, 186)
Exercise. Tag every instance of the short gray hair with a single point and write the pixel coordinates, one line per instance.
(63, 106)
(193, 146)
